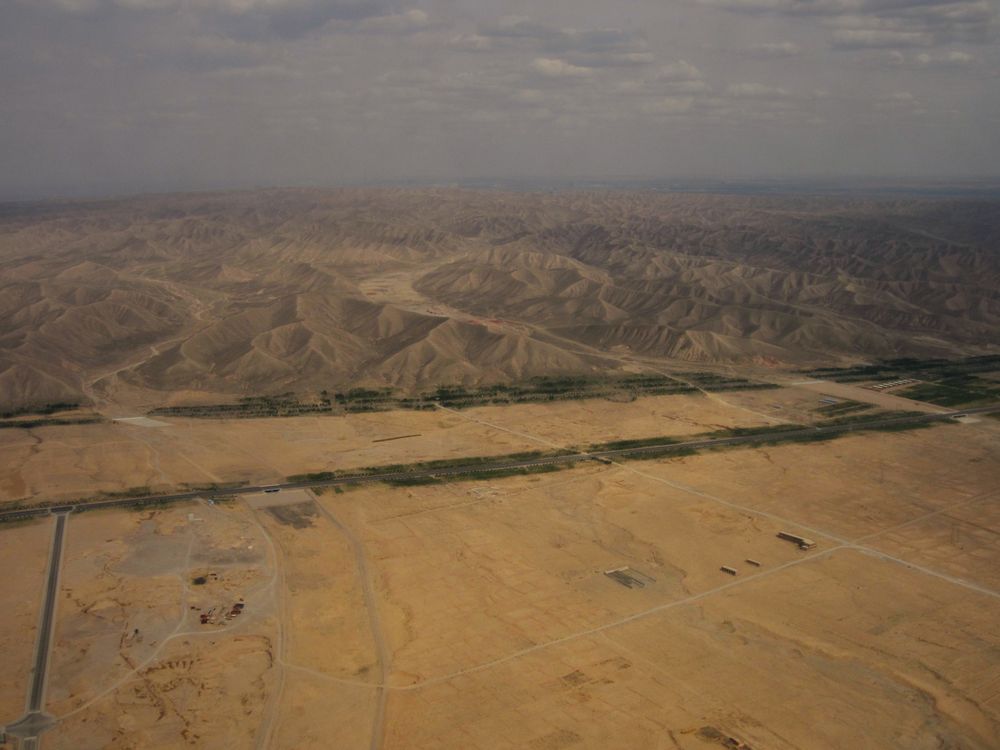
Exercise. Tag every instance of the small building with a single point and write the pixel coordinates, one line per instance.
(801, 541)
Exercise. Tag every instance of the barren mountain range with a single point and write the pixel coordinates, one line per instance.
(163, 299)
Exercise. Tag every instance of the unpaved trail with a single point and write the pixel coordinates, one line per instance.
(375, 623)
(265, 733)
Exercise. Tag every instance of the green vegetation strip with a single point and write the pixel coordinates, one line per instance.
(28, 424)
(861, 419)
(626, 444)
(492, 467)
(919, 369)
(536, 390)
(843, 407)
(954, 383)
(40, 409)
(480, 467)
(473, 462)
(770, 435)
(955, 392)
(473, 476)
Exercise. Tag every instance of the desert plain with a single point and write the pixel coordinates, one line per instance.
(583, 608)
(230, 513)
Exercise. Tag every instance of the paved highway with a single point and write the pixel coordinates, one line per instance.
(48, 617)
(35, 721)
(502, 465)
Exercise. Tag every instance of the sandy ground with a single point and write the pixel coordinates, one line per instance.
(809, 658)
(793, 404)
(509, 585)
(857, 392)
(320, 714)
(175, 682)
(537, 648)
(598, 420)
(855, 485)
(24, 550)
(326, 655)
(322, 595)
(480, 615)
(58, 463)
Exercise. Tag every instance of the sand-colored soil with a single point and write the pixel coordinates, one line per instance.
(24, 555)
(326, 659)
(852, 486)
(198, 693)
(858, 392)
(962, 540)
(320, 714)
(169, 684)
(480, 615)
(321, 591)
(599, 420)
(836, 652)
(57, 463)
(503, 583)
(792, 404)
(517, 639)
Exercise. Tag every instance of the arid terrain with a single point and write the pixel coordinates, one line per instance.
(457, 470)
(175, 299)
(584, 608)
(68, 462)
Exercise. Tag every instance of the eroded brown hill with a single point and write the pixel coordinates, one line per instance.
(169, 298)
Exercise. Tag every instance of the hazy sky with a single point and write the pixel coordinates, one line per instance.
(125, 95)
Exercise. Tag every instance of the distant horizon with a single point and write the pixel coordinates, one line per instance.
(833, 185)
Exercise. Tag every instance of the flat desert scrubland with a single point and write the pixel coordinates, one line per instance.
(67, 462)
(578, 609)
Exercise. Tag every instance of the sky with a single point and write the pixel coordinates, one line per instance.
(121, 96)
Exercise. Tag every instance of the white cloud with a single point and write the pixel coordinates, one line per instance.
(755, 91)
(555, 68)
(671, 105)
(926, 21)
(585, 48)
(953, 59)
(879, 38)
(471, 42)
(364, 83)
(899, 102)
(613, 59)
(689, 87)
(529, 96)
(397, 23)
(775, 49)
(681, 70)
